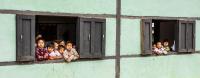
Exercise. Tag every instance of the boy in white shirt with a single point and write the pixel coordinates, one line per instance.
(53, 55)
(70, 53)
(159, 49)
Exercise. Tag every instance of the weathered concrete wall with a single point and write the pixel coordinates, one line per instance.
(176, 8)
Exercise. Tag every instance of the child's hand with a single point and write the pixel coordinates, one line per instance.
(40, 56)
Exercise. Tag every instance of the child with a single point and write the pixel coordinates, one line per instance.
(154, 46)
(159, 49)
(166, 45)
(41, 52)
(70, 53)
(56, 43)
(53, 55)
(62, 42)
(61, 49)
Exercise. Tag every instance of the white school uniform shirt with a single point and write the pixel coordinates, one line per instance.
(55, 53)
(67, 54)
(160, 50)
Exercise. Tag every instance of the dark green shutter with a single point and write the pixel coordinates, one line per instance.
(84, 37)
(190, 36)
(25, 38)
(185, 40)
(90, 38)
(181, 36)
(98, 38)
(146, 36)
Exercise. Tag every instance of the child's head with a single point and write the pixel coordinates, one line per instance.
(69, 45)
(50, 48)
(38, 36)
(62, 42)
(56, 43)
(165, 42)
(40, 43)
(159, 44)
(154, 45)
(61, 48)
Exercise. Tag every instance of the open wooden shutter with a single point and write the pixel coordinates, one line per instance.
(90, 38)
(84, 37)
(98, 38)
(190, 36)
(25, 38)
(185, 37)
(181, 36)
(146, 36)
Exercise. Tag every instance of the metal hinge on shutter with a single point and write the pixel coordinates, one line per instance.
(21, 36)
(89, 37)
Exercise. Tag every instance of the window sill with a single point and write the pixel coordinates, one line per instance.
(82, 60)
(170, 53)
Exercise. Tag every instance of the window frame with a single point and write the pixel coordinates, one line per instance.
(18, 51)
(143, 44)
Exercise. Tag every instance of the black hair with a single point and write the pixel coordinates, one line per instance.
(56, 41)
(69, 42)
(158, 42)
(40, 39)
(165, 40)
(50, 45)
(60, 47)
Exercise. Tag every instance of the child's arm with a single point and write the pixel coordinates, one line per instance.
(39, 56)
(58, 57)
(51, 58)
(70, 58)
(65, 55)
(76, 55)
(46, 56)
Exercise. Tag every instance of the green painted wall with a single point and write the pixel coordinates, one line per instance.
(7, 37)
(87, 69)
(182, 8)
(173, 66)
(110, 36)
(130, 36)
(67, 6)
(197, 35)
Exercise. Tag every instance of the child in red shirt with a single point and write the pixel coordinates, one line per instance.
(41, 52)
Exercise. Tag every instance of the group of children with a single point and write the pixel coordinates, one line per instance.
(161, 48)
(57, 49)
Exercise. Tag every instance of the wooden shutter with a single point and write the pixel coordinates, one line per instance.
(190, 36)
(146, 36)
(25, 38)
(84, 37)
(98, 38)
(90, 38)
(185, 38)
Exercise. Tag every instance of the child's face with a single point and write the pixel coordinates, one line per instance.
(159, 45)
(69, 46)
(40, 44)
(55, 45)
(62, 43)
(166, 43)
(50, 49)
(154, 45)
(61, 50)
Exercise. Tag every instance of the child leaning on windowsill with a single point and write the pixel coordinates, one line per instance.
(159, 49)
(41, 52)
(53, 55)
(166, 45)
(70, 53)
